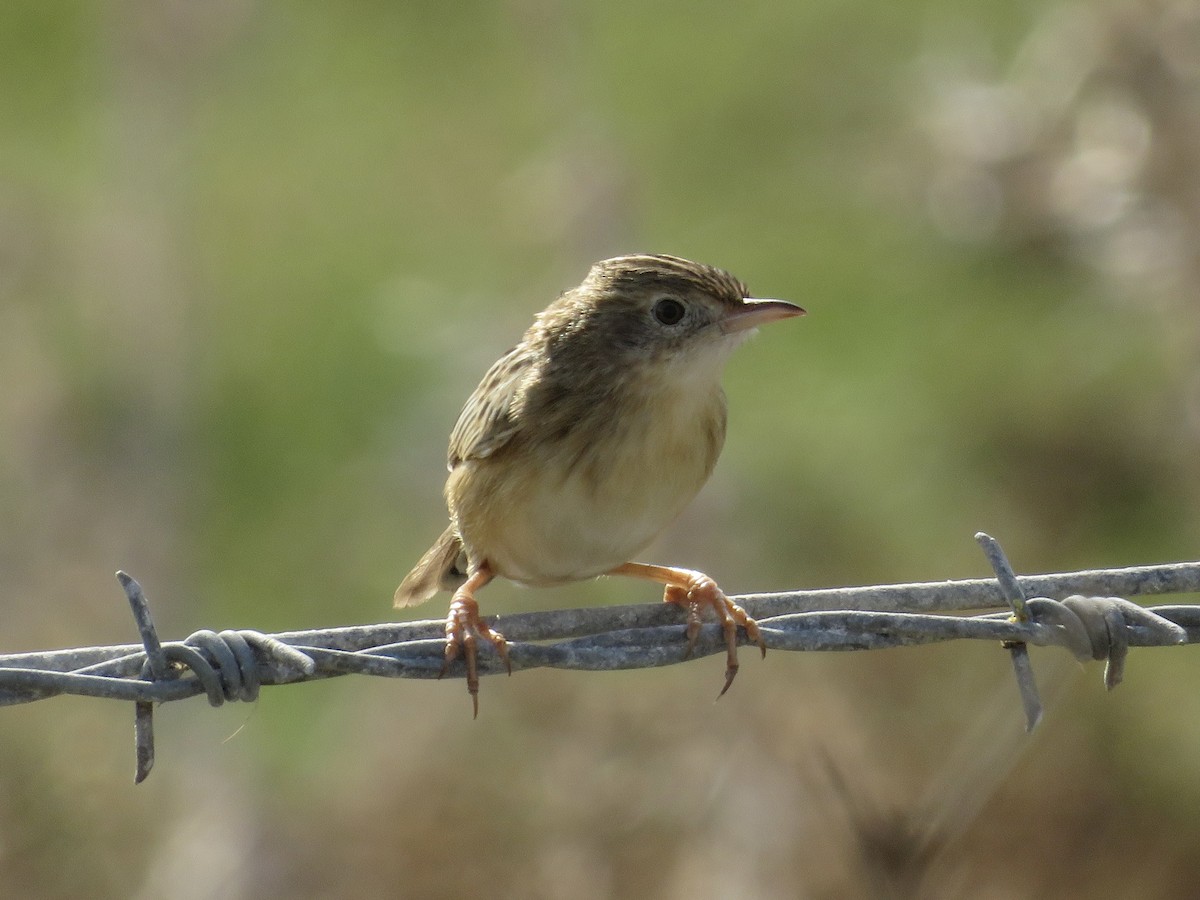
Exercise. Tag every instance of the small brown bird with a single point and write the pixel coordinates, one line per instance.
(587, 439)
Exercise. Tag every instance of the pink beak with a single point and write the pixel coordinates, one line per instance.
(754, 312)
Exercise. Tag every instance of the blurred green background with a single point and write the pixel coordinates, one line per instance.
(253, 258)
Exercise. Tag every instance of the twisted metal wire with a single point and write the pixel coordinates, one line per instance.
(1090, 621)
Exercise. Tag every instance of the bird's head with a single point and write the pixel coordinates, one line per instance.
(656, 309)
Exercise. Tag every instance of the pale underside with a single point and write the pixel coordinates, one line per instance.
(581, 505)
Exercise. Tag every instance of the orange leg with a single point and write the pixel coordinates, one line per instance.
(464, 630)
(693, 591)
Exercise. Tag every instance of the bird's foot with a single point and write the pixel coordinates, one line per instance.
(698, 591)
(464, 630)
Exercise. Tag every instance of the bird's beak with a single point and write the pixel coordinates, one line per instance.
(754, 312)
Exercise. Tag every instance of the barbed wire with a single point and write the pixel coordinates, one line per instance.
(1092, 620)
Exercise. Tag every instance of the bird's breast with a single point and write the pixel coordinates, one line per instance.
(578, 504)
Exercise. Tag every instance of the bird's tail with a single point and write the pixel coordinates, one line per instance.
(442, 568)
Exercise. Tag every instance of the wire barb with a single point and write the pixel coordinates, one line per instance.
(1031, 701)
(1091, 621)
(155, 669)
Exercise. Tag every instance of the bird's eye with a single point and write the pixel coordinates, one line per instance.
(669, 311)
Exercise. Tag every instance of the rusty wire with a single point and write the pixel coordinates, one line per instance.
(1091, 619)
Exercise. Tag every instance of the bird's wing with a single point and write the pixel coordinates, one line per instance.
(487, 421)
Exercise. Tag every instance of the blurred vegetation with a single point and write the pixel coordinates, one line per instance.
(254, 256)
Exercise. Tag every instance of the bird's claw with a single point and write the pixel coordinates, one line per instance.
(703, 592)
(464, 630)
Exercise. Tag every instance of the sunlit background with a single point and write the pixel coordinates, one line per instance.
(254, 256)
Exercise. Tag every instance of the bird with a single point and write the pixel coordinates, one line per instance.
(587, 439)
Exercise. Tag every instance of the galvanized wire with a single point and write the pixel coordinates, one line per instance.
(1082, 611)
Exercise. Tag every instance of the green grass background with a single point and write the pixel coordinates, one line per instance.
(254, 256)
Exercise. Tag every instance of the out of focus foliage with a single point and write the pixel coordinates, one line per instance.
(253, 257)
